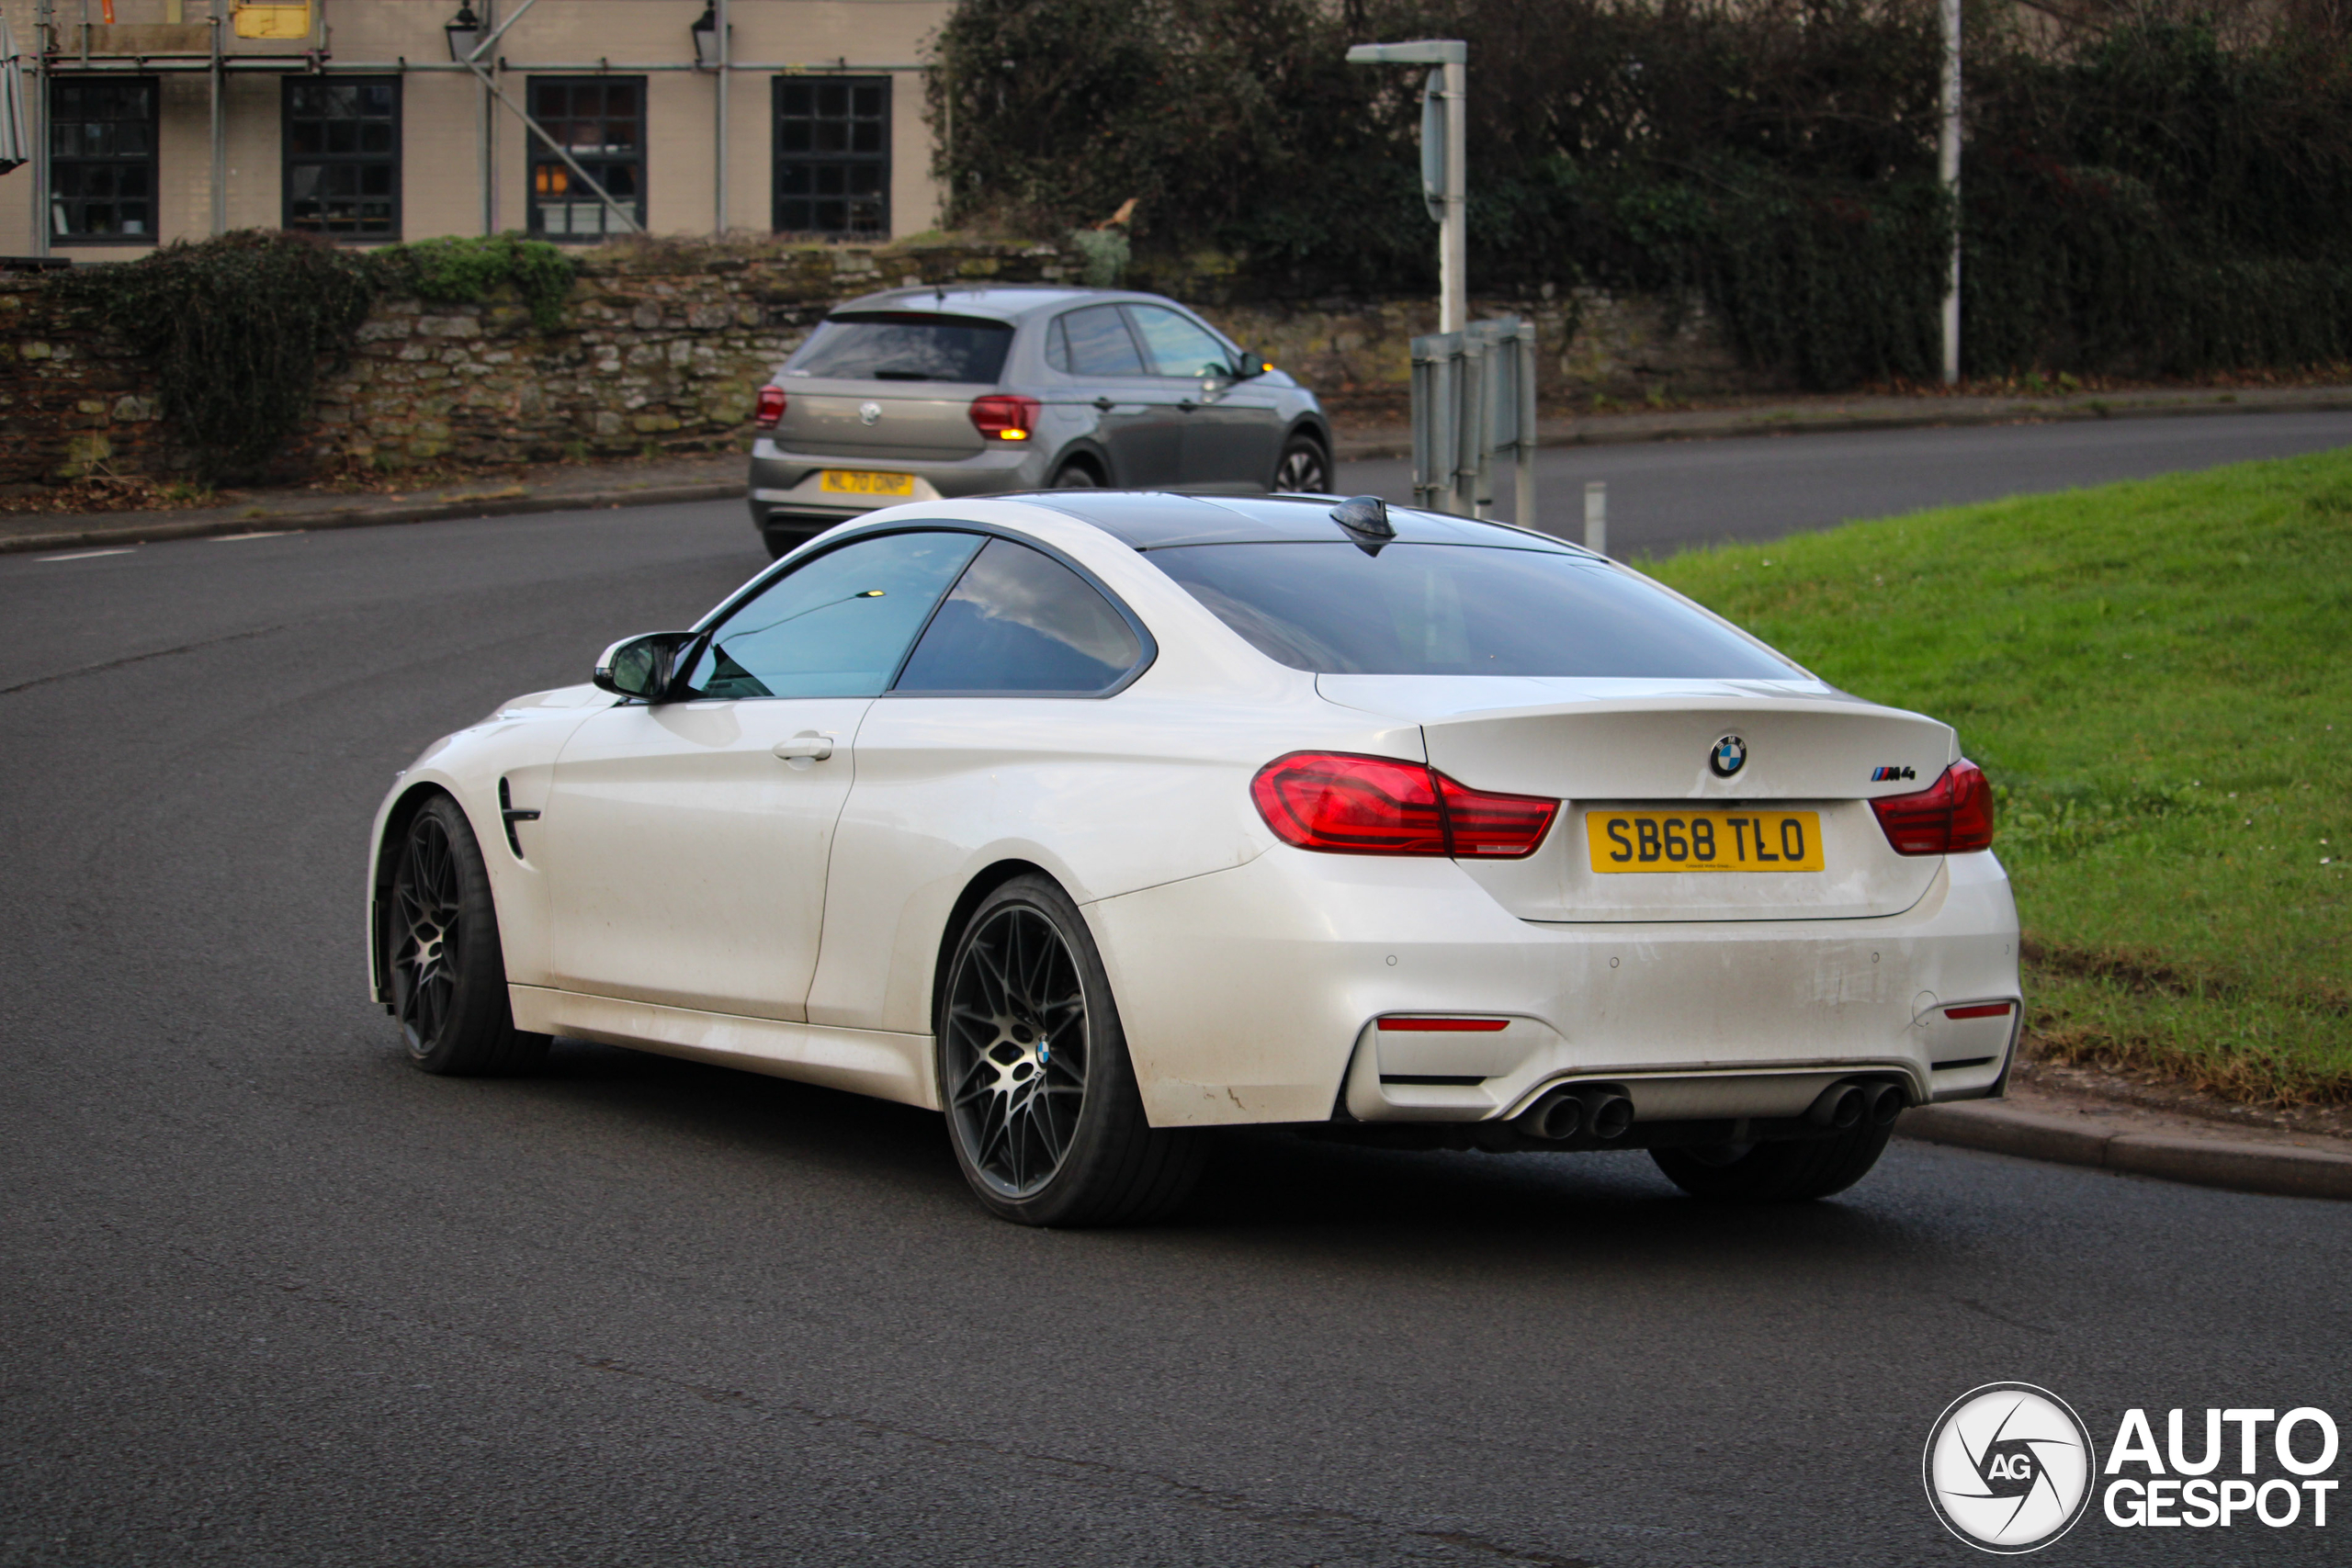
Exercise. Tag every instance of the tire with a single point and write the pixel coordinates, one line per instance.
(1303, 469)
(1077, 474)
(1042, 1107)
(441, 950)
(1777, 1172)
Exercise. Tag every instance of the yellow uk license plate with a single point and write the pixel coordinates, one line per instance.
(858, 481)
(1704, 841)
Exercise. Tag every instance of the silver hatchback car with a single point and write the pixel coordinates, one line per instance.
(924, 394)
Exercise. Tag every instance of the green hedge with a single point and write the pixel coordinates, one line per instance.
(2168, 191)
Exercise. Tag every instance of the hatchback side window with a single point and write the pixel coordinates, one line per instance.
(1020, 621)
(1179, 346)
(838, 625)
(1095, 342)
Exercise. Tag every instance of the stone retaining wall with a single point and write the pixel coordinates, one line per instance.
(666, 344)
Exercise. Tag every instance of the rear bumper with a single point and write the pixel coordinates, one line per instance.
(1250, 996)
(788, 488)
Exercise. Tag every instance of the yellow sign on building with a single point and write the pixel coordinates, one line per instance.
(273, 21)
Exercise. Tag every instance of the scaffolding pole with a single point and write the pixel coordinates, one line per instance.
(726, 52)
(486, 129)
(44, 40)
(220, 80)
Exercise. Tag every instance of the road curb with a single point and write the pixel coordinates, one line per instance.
(167, 527)
(2278, 1168)
(1375, 447)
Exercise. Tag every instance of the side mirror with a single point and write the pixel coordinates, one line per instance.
(641, 666)
(1247, 365)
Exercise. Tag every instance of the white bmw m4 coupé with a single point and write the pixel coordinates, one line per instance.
(1095, 819)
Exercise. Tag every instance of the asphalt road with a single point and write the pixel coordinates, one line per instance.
(1666, 495)
(272, 1297)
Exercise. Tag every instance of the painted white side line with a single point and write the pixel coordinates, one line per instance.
(264, 534)
(89, 555)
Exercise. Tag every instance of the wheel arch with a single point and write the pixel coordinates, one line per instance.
(397, 814)
(986, 881)
(1084, 450)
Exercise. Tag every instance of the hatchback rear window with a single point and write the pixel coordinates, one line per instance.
(904, 347)
(1459, 610)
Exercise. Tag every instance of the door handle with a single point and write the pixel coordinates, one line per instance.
(805, 747)
(1188, 405)
(1105, 404)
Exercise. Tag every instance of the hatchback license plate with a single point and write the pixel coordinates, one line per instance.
(1703, 840)
(858, 481)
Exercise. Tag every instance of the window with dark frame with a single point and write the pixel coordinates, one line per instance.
(832, 156)
(102, 159)
(343, 157)
(600, 120)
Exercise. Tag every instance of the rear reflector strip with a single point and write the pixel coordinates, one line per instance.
(1442, 1025)
(1980, 1009)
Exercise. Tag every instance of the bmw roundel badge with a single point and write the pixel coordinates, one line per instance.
(1729, 756)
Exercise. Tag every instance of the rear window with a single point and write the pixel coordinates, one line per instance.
(904, 347)
(1459, 610)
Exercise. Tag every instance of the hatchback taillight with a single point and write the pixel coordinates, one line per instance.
(1348, 805)
(1951, 817)
(1005, 416)
(770, 408)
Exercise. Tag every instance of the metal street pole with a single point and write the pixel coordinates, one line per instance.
(1446, 185)
(1453, 230)
(1948, 171)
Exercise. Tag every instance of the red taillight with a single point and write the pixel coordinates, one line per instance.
(1951, 817)
(1980, 1009)
(1005, 416)
(770, 408)
(1378, 806)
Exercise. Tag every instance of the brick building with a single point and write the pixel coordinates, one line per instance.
(181, 119)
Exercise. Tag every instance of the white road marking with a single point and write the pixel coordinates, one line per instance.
(264, 534)
(88, 555)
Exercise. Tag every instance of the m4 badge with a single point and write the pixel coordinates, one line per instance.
(1880, 775)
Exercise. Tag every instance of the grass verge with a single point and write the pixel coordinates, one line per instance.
(2157, 676)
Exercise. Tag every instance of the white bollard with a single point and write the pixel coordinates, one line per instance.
(1596, 516)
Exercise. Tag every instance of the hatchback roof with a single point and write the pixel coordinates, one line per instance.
(1006, 301)
(1150, 520)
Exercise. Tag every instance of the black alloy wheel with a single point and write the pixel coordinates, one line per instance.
(448, 974)
(1076, 475)
(1041, 1099)
(1304, 470)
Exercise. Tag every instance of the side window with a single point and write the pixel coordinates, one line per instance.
(1180, 347)
(837, 626)
(1020, 621)
(1100, 344)
(1057, 346)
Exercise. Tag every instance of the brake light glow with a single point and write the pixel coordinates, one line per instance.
(771, 409)
(1951, 817)
(1005, 416)
(1342, 804)
(1980, 1009)
(1443, 1025)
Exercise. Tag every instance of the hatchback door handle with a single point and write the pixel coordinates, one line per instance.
(815, 748)
(1105, 404)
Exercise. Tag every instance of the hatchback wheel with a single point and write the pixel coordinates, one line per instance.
(1777, 1172)
(1304, 470)
(1077, 475)
(441, 949)
(1041, 1099)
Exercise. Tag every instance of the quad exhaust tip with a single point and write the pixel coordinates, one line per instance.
(1598, 1112)
(1843, 1106)
(1555, 1117)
